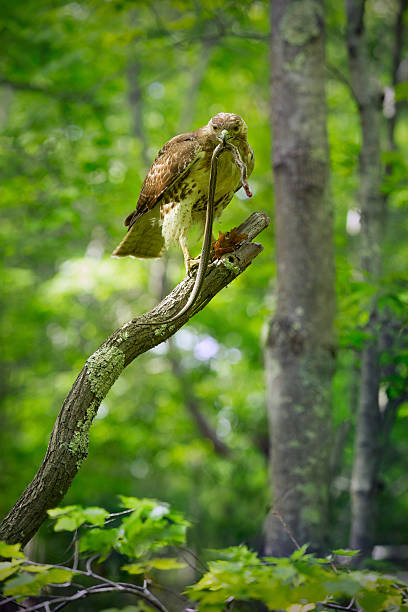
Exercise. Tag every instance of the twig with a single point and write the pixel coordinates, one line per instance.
(192, 404)
(106, 586)
(286, 528)
(170, 591)
(64, 601)
(334, 606)
(112, 517)
(7, 600)
(341, 77)
(64, 96)
(76, 554)
(196, 557)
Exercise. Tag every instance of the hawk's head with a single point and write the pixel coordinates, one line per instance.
(234, 125)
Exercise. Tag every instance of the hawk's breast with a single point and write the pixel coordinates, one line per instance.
(185, 202)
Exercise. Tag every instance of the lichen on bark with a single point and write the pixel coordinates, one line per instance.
(104, 367)
(80, 440)
(230, 265)
(301, 22)
(159, 331)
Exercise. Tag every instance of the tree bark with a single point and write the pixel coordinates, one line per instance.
(68, 445)
(369, 440)
(300, 346)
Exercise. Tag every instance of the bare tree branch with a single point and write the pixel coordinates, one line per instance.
(65, 96)
(196, 76)
(68, 445)
(136, 104)
(192, 404)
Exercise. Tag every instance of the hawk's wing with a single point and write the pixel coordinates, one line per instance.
(144, 238)
(172, 161)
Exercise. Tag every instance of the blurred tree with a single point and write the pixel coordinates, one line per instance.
(368, 95)
(373, 420)
(300, 346)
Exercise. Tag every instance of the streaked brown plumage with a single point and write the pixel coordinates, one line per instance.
(178, 180)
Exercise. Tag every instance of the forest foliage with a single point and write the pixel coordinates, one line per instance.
(89, 91)
(148, 531)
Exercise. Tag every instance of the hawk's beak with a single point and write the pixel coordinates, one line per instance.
(224, 136)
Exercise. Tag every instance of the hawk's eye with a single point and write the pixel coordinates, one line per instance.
(236, 128)
(215, 127)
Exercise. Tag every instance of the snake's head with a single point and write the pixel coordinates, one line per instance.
(223, 136)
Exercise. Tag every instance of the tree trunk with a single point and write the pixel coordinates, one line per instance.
(369, 435)
(300, 346)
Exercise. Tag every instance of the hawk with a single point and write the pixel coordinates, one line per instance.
(174, 194)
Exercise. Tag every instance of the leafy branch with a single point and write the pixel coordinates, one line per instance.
(148, 528)
(152, 537)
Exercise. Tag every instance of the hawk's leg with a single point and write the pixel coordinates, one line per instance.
(187, 257)
(192, 262)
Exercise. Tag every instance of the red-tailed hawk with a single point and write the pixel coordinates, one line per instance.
(178, 181)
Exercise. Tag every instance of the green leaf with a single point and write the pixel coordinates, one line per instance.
(95, 516)
(31, 583)
(72, 517)
(239, 553)
(345, 552)
(7, 568)
(58, 575)
(67, 523)
(166, 563)
(24, 584)
(285, 572)
(37, 569)
(11, 550)
(66, 510)
(134, 568)
(374, 601)
(99, 541)
(342, 585)
(145, 507)
(300, 552)
(151, 526)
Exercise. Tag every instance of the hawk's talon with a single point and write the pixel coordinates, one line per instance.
(191, 264)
